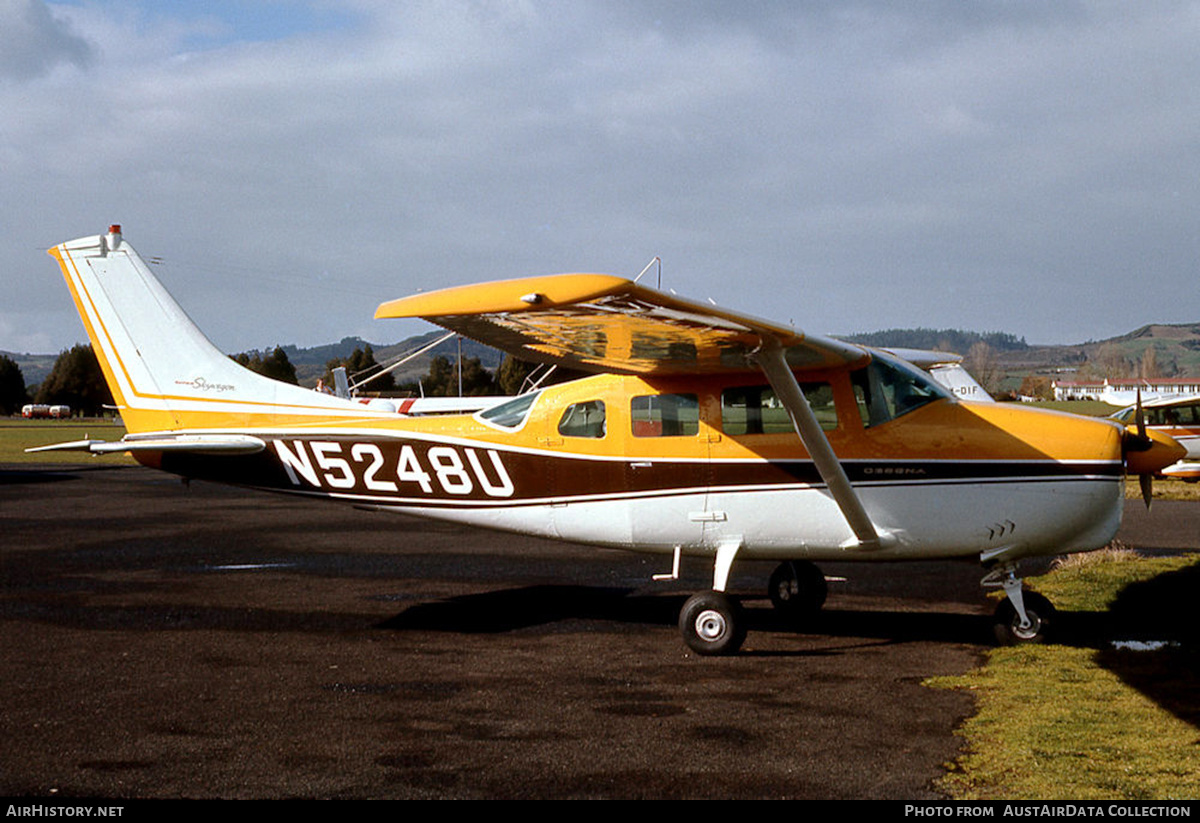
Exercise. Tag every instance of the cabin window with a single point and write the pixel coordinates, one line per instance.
(1178, 415)
(889, 388)
(665, 415)
(756, 409)
(583, 420)
(510, 414)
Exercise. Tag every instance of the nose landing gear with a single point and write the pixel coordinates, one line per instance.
(1022, 616)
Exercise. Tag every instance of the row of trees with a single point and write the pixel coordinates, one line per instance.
(957, 340)
(442, 379)
(13, 394)
(75, 380)
(1110, 361)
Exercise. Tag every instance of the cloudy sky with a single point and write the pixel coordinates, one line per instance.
(1029, 167)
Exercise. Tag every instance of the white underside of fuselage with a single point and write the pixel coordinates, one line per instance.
(1018, 518)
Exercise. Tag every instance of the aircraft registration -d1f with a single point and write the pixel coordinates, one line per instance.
(704, 433)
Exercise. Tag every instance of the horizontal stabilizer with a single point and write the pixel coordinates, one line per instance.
(209, 444)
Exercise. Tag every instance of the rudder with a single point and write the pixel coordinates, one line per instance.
(164, 373)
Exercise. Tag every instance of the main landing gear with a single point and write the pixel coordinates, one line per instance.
(1022, 616)
(713, 623)
(797, 589)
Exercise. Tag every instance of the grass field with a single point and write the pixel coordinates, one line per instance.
(17, 434)
(1092, 719)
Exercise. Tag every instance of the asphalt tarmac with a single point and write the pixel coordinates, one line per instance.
(163, 641)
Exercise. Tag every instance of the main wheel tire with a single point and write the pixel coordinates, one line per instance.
(1007, 623)
(711, 623)
(797, 589)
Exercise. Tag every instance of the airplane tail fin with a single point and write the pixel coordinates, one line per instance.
(165, 375)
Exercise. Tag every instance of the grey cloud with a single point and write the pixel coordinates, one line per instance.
(33, 41)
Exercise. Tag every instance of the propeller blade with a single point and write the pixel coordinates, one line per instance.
(1145, 481)
(1140, 415)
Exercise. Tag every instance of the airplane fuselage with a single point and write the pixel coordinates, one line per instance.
(645, 465)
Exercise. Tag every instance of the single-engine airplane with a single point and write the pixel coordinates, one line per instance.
(704, 433)
(1178, 417)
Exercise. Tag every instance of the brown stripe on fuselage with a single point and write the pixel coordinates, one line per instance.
(439, 472)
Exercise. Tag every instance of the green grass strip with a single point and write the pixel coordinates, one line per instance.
(1112, 715)
(16, 435)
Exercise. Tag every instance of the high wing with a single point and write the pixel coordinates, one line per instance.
(601, 323)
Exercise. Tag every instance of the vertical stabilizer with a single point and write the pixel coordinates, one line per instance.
(164, 374)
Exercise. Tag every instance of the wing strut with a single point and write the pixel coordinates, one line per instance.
(770, 358)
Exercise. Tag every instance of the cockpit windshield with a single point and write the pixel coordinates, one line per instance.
(889, 387)
(510, 414)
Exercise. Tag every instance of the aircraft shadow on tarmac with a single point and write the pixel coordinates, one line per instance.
(1148, 638)
(1154, 612)
(544, 606)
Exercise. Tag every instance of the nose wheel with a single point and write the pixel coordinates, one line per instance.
(1022, 616)
(1010, 630)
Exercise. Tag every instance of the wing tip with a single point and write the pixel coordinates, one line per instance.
(515, 295)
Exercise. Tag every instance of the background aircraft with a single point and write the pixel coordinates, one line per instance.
(1178, 417)
(704, 434)
(947, 369)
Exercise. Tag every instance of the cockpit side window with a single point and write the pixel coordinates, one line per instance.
(888, 388)
(756, 409)
(583, 420)
(665, 415)
(1176, 415)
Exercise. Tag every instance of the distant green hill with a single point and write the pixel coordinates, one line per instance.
(955, 340)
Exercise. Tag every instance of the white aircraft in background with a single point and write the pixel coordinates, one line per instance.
(705, 435)
(947, 369)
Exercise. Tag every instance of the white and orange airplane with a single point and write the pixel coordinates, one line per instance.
(705, 434)
(1178, 417)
